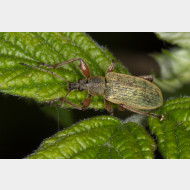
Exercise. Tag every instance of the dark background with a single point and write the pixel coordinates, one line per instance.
(22, 124)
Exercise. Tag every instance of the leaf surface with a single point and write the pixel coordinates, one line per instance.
(50, 48)
(175, 69)
(181, 39)
(174, 63)
(173, 135)
(99, 137)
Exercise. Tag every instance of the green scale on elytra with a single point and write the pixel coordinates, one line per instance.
(129, 92)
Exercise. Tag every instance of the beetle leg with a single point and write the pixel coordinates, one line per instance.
(50, 102)
(111, 67)
(40, 69)
(74, 105)
(147, 77)
(121, 108)
(62, 101)
(160, 117)
(83, 66)
(108, 107)
(86, 102)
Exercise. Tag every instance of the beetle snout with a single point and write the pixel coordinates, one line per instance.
(73, 86)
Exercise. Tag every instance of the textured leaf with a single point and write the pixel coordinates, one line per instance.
(179, 38)
(173, 135)
(50, 48)
(99, 137)
(174, 64)
(175, 69)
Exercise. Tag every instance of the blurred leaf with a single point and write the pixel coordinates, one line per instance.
(175, 69)
(50, 48)
(98, 137)
(174, 64)
(173, 135)
(181, 39)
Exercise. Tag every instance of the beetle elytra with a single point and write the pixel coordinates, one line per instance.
(137, 94)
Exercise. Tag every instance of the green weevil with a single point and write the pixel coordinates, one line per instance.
(129, 92)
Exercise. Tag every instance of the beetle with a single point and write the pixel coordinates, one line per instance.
(136, 94)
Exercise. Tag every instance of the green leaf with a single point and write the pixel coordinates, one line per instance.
(175, 69)
(98, 137)
(181, 39)
(174, 64)
(173, 134)
(49, 48)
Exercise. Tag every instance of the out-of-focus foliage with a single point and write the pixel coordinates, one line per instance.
(174, 63)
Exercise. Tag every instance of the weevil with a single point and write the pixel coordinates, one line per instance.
(137, 94)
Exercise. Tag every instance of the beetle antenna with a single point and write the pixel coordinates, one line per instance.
(40, 69)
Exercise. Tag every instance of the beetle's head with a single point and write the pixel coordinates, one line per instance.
(80, 85)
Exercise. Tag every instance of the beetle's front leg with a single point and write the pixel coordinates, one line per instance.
(62, 100)
(147, 77)
(83, 66)
(108, 107)
(43, 70)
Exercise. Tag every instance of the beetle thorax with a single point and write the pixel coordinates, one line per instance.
(96, 86)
